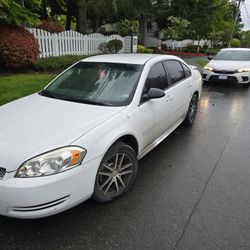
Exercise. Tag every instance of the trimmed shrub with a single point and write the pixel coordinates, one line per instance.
(51, 27)
(193, 48)
(114, 46)
(142, 49)
(57, 62)
(212, 51)
(159, 51)
(103, 48)
(235, 43)
(18, 47)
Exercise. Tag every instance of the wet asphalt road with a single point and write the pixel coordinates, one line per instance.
(192, 192)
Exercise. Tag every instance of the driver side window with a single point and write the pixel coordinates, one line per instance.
(157, 78)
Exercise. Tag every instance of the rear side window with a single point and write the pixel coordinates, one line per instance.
(156, 78)
(175, 71)
(187, 70)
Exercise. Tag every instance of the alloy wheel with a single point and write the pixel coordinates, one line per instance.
(115, 174)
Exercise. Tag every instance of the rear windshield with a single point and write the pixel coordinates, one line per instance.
(233, 55)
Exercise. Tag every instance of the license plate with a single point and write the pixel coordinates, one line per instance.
(223, 77)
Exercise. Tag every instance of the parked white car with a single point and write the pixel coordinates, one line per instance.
(229, 66)
(82, 136)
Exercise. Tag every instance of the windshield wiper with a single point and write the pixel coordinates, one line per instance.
(92, 102)
(65, 98)
(84, 101)
(48, 94)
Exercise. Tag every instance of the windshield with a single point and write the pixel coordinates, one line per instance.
(109, 84)
(233, 55)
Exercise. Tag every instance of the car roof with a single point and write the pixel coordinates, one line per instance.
(127, 58)
(236, 49)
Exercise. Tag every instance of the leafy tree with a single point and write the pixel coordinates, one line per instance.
(100, 12)
(245, 38)
(141, 10)
(162, 10)
(215, 38)
(125, 25)
(207, 17)
(14, 12)
(177, 27)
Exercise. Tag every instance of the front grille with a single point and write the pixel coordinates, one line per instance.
(227, 72)
(230, 79)
(2, 173)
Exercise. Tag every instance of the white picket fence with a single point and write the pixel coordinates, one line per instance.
(73, 43)
(173, 44)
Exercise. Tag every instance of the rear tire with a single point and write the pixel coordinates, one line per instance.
(116, 173)
(192, 111)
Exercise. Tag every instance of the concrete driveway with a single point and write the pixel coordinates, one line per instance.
(192, 192)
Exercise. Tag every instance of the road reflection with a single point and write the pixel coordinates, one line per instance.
(229, 101)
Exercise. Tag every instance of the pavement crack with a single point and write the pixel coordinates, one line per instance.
(202, 193)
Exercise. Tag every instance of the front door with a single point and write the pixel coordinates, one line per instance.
(154, 112)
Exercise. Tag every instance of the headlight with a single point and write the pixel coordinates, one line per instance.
(208, 68)
(52, 162)
(243, 70)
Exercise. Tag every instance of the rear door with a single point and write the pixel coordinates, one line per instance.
(179, 90)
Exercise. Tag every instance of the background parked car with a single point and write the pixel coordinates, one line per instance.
(230, 66)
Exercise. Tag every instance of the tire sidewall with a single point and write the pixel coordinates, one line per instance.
(118, 147)
(188, 121)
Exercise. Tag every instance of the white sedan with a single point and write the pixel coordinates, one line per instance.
(229, 66)
(82, 135)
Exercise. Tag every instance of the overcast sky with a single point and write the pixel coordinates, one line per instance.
(245, 14)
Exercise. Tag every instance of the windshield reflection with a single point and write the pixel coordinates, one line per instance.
(109, 84)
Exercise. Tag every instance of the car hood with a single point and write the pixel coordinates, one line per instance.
(228, 65)
(36, 124)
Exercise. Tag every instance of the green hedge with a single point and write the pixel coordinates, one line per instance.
(212, 51)
(57, 62)
(142, 49)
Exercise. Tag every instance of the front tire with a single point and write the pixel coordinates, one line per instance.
(116, 173)
(192, 111)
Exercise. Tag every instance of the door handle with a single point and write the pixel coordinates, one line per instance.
(189, 85)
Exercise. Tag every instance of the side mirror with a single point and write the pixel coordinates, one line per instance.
(209, 57)
(154, 93)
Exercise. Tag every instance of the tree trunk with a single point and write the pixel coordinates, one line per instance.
(143, 29)
(68, 17)
(81, 22)
(96, 25)
(68, 22)
(44, 15)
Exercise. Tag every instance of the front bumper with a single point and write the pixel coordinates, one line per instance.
(210, 76)
(44, 196)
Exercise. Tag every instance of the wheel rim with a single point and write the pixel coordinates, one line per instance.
(115, 174)
(193, 109)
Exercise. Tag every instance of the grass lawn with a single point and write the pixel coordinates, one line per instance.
(17, 86)
(202, 62)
